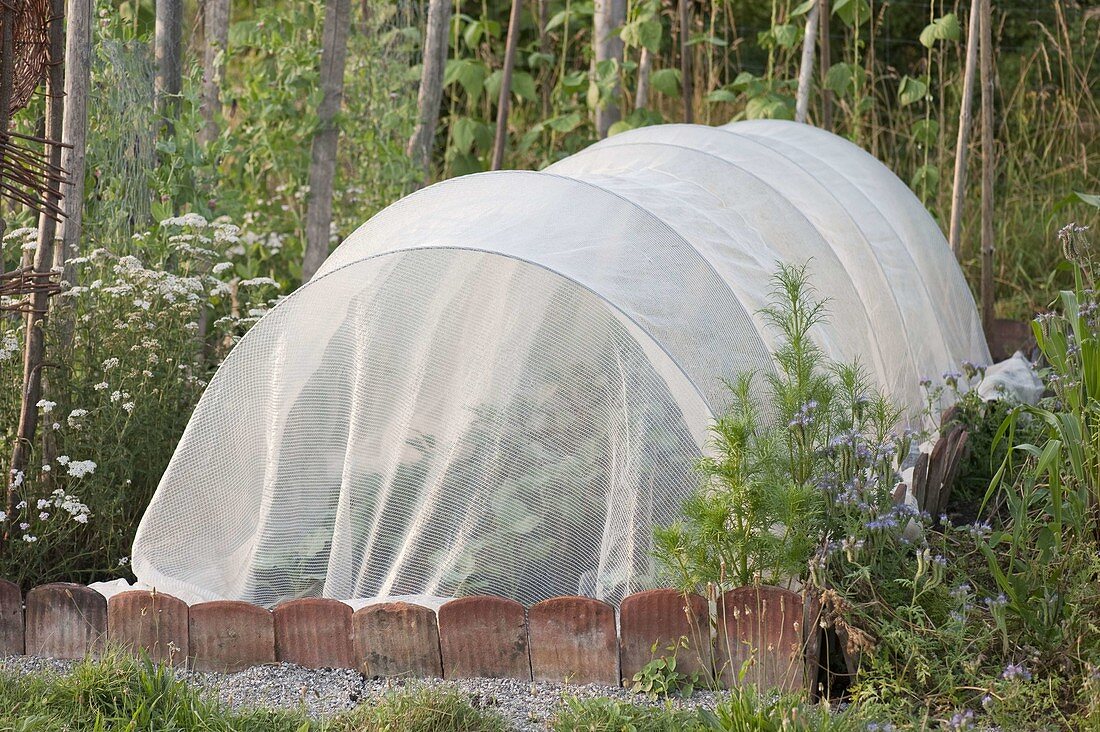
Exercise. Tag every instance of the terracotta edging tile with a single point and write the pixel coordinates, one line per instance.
(149, 622)
(573, 640)
(396, 639)
(483, 636)
(65, 620)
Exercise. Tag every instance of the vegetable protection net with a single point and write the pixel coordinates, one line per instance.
(500, 383)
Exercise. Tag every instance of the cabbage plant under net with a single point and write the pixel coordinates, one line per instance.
(500, 383)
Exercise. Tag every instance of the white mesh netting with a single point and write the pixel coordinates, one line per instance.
(499, 384)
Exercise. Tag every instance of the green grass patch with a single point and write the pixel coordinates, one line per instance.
(743, 710)
(120, 693)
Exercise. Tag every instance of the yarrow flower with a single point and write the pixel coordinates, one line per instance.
(75, 416)
(80, 468)
(194, 220)
(258, 282)
(46, 405)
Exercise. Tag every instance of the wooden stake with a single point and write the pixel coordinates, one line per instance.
(214, 58)
(167, 30)
(608, 16)
(34, 345)
(825, 61)
(988, 163)
(55, 117)
(431, 86)
(645, 66)
(78, 68)
(506, 86)
(322, 166)
(958, 191)
(686, 84)
(806, 70)
(7, 69)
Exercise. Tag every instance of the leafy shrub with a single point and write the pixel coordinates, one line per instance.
(994, 620)
(129, 352)
(817, 455)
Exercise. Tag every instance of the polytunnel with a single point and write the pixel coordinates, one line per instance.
(500, 383)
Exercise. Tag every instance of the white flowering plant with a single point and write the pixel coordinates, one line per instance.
(131, 343)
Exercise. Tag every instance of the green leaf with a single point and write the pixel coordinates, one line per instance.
(469, 74)
(666, 81)
(770, 106)
(911, 90)
(557, 19)
(492, 84)
(709, 40)
(463, 131)
(523, 86)
(941, 29)
(925, 131)
(839, 79)
(575, 81)
(852, 12)
(803, 8)
(1091, 199)
(537, 60)
(786, 35)
(473, 34)
(925, 177)
(721, 95)
(642, 34)
(564, 122)
(617, 127)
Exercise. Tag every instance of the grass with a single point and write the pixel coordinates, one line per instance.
(744, 710)
(120, 693)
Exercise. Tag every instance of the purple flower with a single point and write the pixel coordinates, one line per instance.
(961, 720)
(1016, 671)
(961, 591)
(980, 530)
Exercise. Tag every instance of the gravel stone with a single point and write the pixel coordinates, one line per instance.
(527, 706)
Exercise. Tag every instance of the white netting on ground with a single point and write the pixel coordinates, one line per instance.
(500, 383)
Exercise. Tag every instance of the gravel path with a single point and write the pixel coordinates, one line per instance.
(526, 705)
